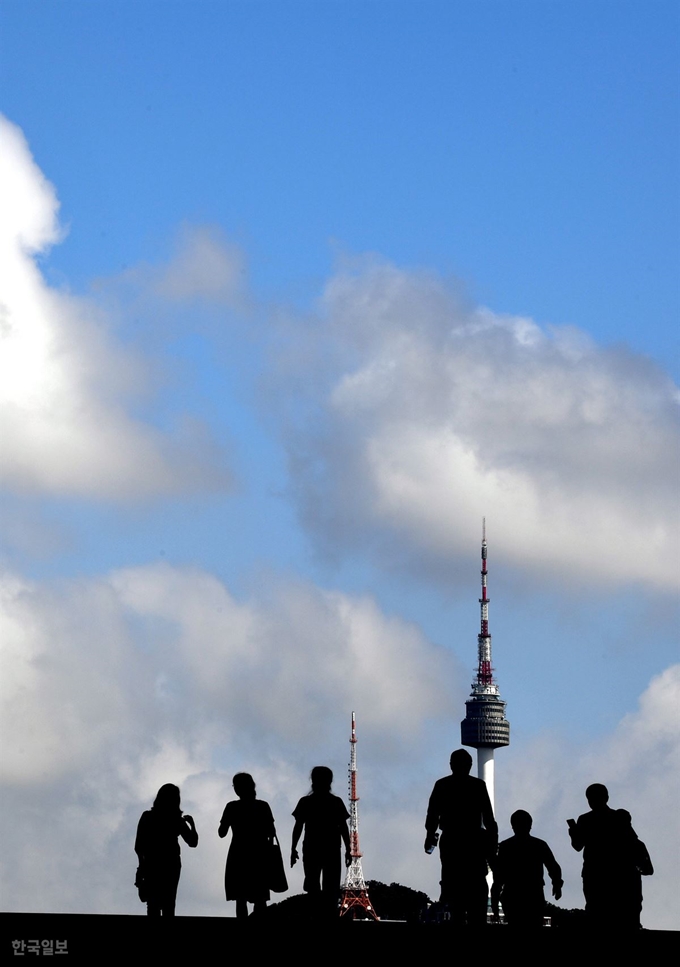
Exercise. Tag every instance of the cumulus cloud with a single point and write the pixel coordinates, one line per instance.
(410, 417)
(113, 686)
(65, 386)
(151, 645)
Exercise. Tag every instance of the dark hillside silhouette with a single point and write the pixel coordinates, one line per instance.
(394, 902)
(398, 902)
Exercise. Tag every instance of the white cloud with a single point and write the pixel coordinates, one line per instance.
(112, 686)
(420, 417)
(64, 384)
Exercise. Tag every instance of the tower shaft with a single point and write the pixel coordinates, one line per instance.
(485, 727)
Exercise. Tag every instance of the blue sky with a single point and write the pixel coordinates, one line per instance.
(296, 293)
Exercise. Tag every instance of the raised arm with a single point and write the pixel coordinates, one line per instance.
(576, 835)
(188, 831)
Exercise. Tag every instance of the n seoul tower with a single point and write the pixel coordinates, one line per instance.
(485, 726)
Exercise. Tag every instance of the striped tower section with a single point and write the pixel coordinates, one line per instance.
(485, 726)
(354, 900)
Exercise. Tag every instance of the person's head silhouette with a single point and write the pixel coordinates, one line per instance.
(597, 796)
(167, 799)
(521, 822)
(244, 785)
(461, 763)
(322, 779)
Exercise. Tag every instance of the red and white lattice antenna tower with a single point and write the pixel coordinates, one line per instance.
(354, 893)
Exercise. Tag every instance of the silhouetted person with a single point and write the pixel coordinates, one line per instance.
(461, 808)
(608, 843)
(157, 846)
(518, 875)
(246, 877)
(324, 819)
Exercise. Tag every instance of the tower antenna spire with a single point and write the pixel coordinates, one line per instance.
(354, 892)
(485, 727)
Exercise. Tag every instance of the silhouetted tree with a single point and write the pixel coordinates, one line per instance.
(397, 902)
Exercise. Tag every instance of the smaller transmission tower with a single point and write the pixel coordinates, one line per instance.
(354, 893)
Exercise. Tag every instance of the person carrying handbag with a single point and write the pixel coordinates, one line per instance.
(252, 868)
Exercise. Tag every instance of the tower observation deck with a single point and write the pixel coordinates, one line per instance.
(485, 726)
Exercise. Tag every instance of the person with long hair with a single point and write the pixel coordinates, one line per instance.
(323, 817)
(157, 847)
(246, 876)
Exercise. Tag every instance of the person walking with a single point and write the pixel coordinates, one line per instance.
(323, 817)
(248, 869)
(518, 875)
(461, 808)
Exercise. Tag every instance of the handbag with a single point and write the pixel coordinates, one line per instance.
(276, 870)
